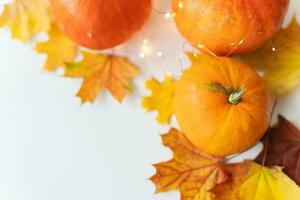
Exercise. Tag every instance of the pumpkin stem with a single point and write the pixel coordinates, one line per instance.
(235, 97)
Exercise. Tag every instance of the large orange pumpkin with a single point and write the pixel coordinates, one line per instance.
(222, 105)
(229, 26)
(100, 24)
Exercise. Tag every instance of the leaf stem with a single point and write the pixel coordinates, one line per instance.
(265, 151)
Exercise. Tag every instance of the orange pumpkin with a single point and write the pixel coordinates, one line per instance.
(222, 105)
(229, 27)
(100, 24)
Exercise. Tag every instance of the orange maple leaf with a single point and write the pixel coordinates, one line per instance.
(191, 171)
(102, 71)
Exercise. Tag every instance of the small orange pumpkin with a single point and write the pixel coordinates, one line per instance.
(222, 105)
(100, 24)
(229, 26)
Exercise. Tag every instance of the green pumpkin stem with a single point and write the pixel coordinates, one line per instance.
(235, 97)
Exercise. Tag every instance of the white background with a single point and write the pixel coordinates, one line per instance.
(52, 148)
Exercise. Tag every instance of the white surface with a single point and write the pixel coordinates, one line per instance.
(52, 148)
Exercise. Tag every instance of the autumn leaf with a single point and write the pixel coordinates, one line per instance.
(26, 18)
(59, 49)
(280, 60)
(260, 183)
(192, 172)
(162, 94)
(161, 99)
(102, 71)
(282, 148)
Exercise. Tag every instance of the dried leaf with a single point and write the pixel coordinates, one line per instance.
(26, 18)
(102, 71)
(282, 148)
(260, 183)
(59, 49)
(280, 60)
(190, 171)
(161, 99)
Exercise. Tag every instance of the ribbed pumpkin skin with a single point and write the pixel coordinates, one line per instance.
(206, 117)
(229, 26)
(100, 24)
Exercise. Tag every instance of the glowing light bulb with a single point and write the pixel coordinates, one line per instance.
(159, 54)
(145, 41)
(180, 5)
(241, 42)
(168, 15)
(142, 55)
(118, 47)
(273, 49)
(169, 74)
(145, 49)
(90, 34)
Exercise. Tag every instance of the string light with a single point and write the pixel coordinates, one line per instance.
(168, 15)
(181, 62)
(201, 46)
(145, 48)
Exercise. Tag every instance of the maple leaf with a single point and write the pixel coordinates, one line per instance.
(161, 99)
(191, 171)
(260, 183)
(280, 60)
(102, 71)
(282, 148)
(26, 18)
(59, 49)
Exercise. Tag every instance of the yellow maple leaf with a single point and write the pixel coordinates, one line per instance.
(190, 171)
(26, 18)
(59, 49)
(261, 183)
(280, 60)
(102, 71)
(161, 99)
